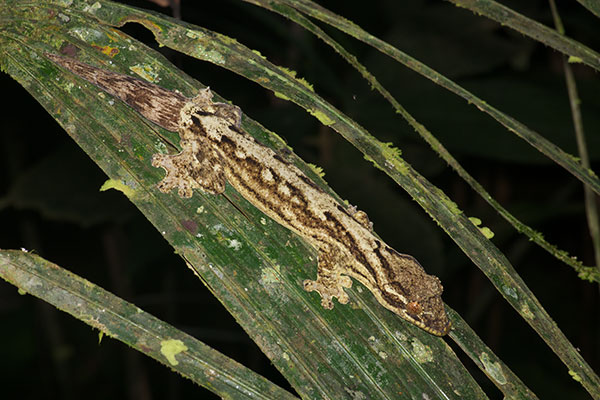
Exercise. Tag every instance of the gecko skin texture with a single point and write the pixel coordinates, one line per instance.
(216, 150)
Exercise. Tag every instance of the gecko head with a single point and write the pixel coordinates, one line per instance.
(420, 303)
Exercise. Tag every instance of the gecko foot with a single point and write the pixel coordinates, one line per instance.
(188, 170)
(328, 289)
(330, 282)
(361, 217)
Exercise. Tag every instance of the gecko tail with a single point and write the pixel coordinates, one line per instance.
(159, 105)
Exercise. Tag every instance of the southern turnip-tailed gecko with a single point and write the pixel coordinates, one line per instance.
(215, 150)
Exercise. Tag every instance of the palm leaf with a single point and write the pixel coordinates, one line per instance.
(252, 265)
(124, 321)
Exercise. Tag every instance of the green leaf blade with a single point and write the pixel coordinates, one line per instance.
(125, 322)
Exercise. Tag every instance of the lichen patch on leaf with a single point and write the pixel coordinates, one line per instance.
(493, 369)
(526, 311)
(421, 352)
(146, 72)
(575, 60)
(170, 348)
(322, 117)
(317, 170)
(120, 186)
(302, 81)
(280, 96)
(487, 232)
(574, 375)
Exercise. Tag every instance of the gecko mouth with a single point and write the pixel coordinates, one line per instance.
(441, 331)
(420, 312)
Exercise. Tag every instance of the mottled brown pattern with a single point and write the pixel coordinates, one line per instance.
(215, 150)
(156, 104)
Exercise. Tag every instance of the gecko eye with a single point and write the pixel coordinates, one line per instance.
(414, 308)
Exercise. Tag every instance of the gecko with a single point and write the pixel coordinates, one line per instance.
(216, 150)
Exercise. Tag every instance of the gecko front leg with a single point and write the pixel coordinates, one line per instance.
(198, 165)
(361, 217)
(330, 280)
(190, 169)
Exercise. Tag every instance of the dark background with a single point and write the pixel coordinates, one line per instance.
(50, 203)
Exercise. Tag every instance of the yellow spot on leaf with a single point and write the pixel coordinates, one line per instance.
(389, 147)
(574, 60)
(100, 336)
(262, 80)
(258, 54)
(452, 206)
(575, 376)
(325, 120)
(146, 72)
(476, 221)
(317, 170)
(22, 292)
(154, 27)
(115, 37)
(170, 348)
(109, 51)
(118, 185)
(302, 81)
(487, 232)
(281, 96)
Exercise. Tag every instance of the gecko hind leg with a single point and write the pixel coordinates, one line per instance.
(330, 282)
